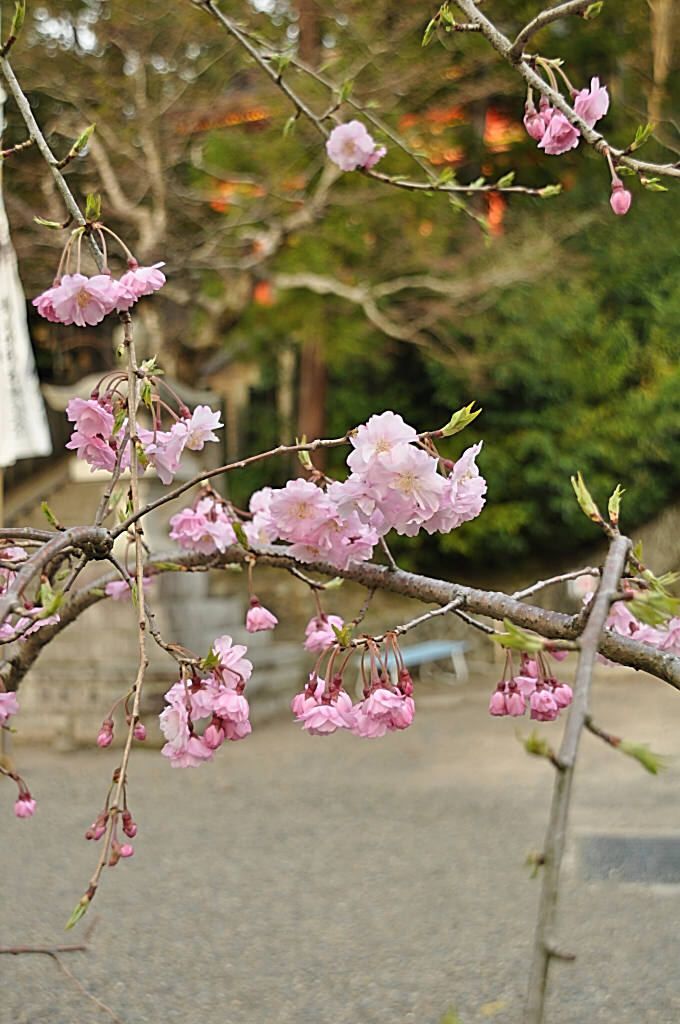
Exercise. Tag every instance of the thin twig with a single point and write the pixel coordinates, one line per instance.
(535, 587)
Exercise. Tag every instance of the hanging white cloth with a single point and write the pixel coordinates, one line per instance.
(24, 432)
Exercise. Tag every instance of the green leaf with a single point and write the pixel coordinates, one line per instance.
(642, 134)
(625, 171)
(48, 599)
(147, 395)
(93, 205)
(333, 584)
(654, 607)
(141, 454)
(343, 636)
(168, 566)
(53, 224)
(446, 176)
(518, 639)
(614, 504)
(536, 745)
(346, 89)
(593, 10)
(654, 763)
(506, 180)
(305, 460)
(78, 912)
(280, 62)
(50, 516)
(211, 660)
(460, 420)
(119, 418)
(18, 19)
(289, 125)
(652, 184)
(584, 499)
(240, 534)
(548, 191)
(430, 30)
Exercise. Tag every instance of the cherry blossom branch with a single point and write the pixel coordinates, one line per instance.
(543, 19)
(523, 65)
(47, 154)
(544, 942)
(264, 61)
(563, 578)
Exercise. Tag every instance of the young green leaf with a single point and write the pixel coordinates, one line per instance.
(460, 420)
(518, 639)
(614, 505)
(584, 499)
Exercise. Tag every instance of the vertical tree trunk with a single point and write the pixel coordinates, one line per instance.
(662, 40)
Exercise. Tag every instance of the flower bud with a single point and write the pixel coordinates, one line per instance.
(140, 731)
(620, 198)
(25, 805)
(497, 702)
(126, 850)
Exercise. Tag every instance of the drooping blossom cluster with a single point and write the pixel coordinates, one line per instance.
(81, 300)
(395, 483)
(33, 617)
(25, 804)
(554, 133)
(533, 687)
(215, 699)
(97, 436)
(324, 706)
(320, 632)
(351, 146)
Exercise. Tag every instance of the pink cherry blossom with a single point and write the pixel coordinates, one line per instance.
(9, 705)
(140, 281)
(120, 590)
(200, 427)
(320, 634)
(233, 667)
(497, 702)
(563, 695)
(25, 805)
(236, 730)
(544, 707)
(259, 618)
(377, 438)
(96, 451)
(515, 703)
(560, 135)
(534, 122)
(592, 104)
(350, 146)
(91, 417)
(298, 509)
(44, 303)
(164, 449)
(620, 198)
(84, 300)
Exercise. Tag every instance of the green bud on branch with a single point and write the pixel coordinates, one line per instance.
(460, 420)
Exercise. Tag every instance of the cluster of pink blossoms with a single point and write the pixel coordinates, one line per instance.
(395, 483)
(80, 300)
(97, 441)
(554, 133)
(33, 617)
(323, 709)
(532, 687)
(217, 698)
(351, 146)
(320, 633)
(621, 620)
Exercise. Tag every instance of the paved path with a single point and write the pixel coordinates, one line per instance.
(302, 880)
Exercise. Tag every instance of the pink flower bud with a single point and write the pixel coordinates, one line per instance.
(126, 850)
(104, 738)
(130, 829)
(213, 736)
(98, 832)
(259, 618)
(139, 731)
(620, 198)
(515, 703)
(563, 695)
(25, 805)
(497, 702)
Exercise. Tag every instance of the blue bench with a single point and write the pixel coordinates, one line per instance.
(430, 650)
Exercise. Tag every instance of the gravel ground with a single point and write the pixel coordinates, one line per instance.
(302, 880)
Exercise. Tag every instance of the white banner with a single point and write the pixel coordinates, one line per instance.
(23, 423)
